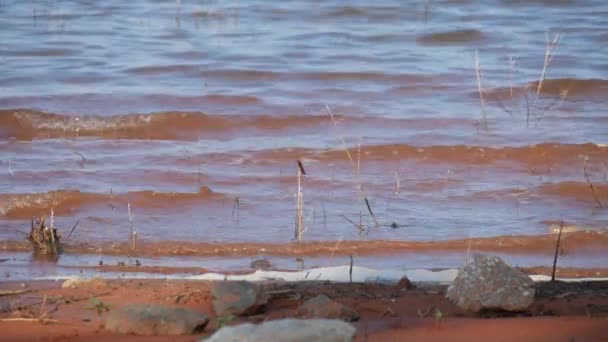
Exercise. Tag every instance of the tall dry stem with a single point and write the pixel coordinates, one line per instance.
(299, 228)
(133, 237)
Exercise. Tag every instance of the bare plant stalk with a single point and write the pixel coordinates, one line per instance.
(359, 226)
(235, 208)
(559, 237)
(591, 187)
(133, 231)
(355, 165)
(73, 229)
(511, 69)
(551, 45)
(369, 209)
(480, 90)
(359, 158)
(550, 48)
(324, 215)
(52, 231)
(397, 182)
(335, 123)
(333, 252)
(299, 205)
(350, 270)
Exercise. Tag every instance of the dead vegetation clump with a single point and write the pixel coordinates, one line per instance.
(45, 239)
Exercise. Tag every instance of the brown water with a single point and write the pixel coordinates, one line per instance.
(193, 114)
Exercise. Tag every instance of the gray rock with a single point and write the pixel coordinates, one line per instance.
(488, 283)
(237, 298)
(288, 330)
(322, 306)
(145, 319)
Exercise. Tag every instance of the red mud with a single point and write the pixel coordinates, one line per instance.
(388, 312)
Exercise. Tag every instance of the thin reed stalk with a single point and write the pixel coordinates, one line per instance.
(356, 165)
(133, 236)
(551, 45)
(559, 238)
(592, 187)
(299, 228)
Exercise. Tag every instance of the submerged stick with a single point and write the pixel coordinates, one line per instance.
(559, 237)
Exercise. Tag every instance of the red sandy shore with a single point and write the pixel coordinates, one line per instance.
(562, 312)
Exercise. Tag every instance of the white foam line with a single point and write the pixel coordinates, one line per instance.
(338, 274)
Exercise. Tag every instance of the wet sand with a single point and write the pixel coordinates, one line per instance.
(562, 311)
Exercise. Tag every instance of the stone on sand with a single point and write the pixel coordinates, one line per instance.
(488, 283)
(148, 319)
(322, 306)
(288, 330)
(237, 298)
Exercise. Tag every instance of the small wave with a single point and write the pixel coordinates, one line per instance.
(372, 12)
(40, 53)
(527, 244)
(541, 155)
(30, 124)
(558, 87)
(358, 76)
(578, 191)
(164, 69)
(451, 37)
(348, 11)
(520, 3)
(64, 202)
(571, 87)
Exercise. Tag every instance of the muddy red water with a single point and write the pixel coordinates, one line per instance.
(183, 121)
